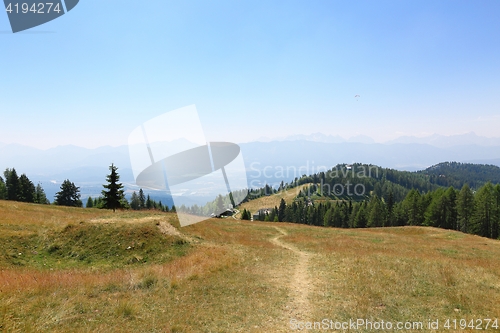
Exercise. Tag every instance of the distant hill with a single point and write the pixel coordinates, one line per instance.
(457, 174)
(384, 181)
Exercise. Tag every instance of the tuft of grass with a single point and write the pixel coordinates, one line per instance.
(125, 309)
(148, 281)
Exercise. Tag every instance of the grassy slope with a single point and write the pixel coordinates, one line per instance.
(272, 200)
(233, 276)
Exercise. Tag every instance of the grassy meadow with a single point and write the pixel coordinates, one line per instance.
(88, 270)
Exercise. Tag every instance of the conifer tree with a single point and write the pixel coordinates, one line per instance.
(281, 210)
(26, 192)
(114, 196)
(40, 196)
(135, 203)
(483, 214)
(465, 208)
(12, 184)
(245, 215)
(90, 203)
(3, 189)
(69, 195)
(142, 199)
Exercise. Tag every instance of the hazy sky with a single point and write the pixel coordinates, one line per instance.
(253, 69)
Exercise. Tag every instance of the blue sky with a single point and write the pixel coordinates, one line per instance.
(253, 69)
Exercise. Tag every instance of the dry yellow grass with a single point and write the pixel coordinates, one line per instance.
(402, 274)
(252, 277)
(272, 200)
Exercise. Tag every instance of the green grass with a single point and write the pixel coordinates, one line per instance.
(86, 244)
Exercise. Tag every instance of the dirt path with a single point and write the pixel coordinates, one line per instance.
(300, 285)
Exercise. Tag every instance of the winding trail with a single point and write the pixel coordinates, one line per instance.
(300, 285)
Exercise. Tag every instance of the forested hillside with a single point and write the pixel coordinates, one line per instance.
(457, 174)
(358, 196)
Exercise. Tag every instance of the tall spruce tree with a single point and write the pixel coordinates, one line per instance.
(465, 208)
(12, 183)
(413, 207)
(281, 210)
(90, 203)
(40, 196)
(376, 212)
(483, 214)
(113, 195)
(142, 199)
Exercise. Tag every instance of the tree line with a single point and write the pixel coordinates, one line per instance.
(21, 188)
(474, 212)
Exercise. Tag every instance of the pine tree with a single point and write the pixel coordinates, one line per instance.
(451, 218)
(465, 208)
(337, 218)
(69, 195)
(135, 203)
(390, 209)
(26, 191)
(149, 204)
(328, 218)
(142, 199)
(114, 196)
(376, 212)
(40, 196)
(361, 219)
(12, 184)
(246, 215)
(90, 203)
(281, 210)
(414, 207)
(3, 189)
(483, 214)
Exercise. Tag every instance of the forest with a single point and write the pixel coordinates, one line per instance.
(395, 198)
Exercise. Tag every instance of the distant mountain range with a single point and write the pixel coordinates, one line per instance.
(320, 137)
(443, 141)
(266, 162)
(435, 140)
